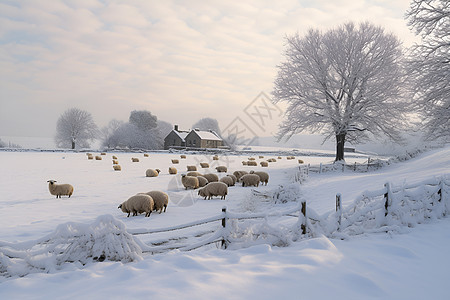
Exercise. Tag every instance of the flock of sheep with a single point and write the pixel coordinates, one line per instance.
(209, 185)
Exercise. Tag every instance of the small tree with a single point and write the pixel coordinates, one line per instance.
(75, 128)
(207, 124)
(345, 82)
(430, 65)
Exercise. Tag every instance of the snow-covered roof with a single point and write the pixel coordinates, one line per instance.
(207, 135)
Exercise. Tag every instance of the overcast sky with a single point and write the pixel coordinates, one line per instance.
(181, 60)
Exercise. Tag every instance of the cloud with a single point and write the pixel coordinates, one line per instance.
(182, 60)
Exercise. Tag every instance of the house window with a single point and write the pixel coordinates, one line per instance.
(194, 142)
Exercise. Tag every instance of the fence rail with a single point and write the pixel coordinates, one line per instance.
(386, 209)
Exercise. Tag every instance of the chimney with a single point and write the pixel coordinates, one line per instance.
(175, 127)
(197, 129)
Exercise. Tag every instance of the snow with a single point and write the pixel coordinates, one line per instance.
(264, 259)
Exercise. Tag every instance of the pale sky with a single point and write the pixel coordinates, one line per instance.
(181, 60)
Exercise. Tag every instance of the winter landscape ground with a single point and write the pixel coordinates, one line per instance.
(266, 260)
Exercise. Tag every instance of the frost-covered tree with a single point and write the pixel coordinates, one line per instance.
(207, 124)
(108, 133)
(75, 128)
(164, 128)
(430, 64)
(346, 82)
(141, 132)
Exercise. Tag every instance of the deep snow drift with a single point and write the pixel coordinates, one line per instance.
(412, 265)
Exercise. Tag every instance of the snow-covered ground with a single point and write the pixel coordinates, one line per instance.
(414, 265)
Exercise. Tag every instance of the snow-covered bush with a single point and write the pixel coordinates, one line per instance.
(105, 239)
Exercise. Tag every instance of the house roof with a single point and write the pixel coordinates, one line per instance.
(207, 135)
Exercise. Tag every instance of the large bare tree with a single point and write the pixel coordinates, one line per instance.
(75, 128)
(430, 64)
(346, 82)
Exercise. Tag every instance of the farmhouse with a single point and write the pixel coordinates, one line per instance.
(192, 139)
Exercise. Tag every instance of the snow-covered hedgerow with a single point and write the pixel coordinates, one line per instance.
(105, 239)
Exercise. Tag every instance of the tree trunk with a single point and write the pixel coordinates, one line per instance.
(340, 141)
(73, 144)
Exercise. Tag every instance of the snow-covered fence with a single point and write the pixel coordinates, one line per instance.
(338, 166)
(390, 209)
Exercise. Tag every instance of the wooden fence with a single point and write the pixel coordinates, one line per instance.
(387, 209)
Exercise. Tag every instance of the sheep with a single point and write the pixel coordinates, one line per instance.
(160, 200)
(189, 182)
(252, 163)
(117, 168)
(239, 174)
(227, 180)
(152, 173)
(191, 168)
(115, 162)
(271, 160)
(202, 181)
(175, 161)
(87, 153)
(194, 173)
(249, 180)
(264, 164)
(263, 176)
(215, 157)
(300, 161)
(261, 156)
(138, 204)
(279, 157)
(204, 165)
(211, 177)
(145, 155)
(103, 153)
(232, 177)
(183, 156)
(135, 159)
(172, 170)
(214, 189)
(221, 169)
(251, 158)
(97, 157)
(244, 163)
(59, 190)
(114, 157)
(90, 156)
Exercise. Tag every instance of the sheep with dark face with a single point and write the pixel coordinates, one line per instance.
(214, 189)
(59, 190)
(137, 204)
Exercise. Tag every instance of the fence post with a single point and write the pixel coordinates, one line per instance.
(303, 211)
(224, 224)
(441, 187)
(354, 168)
(387, 198)
(339, 209)
(320, 168)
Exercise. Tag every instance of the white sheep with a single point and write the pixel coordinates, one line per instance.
(252, 163)
(117, 168)
(90, 156)
(215, 157)
(244, 163)
(160, 199)
(232, 177)
(138, 204)
(214, 189)
(175, 161)
(191, 168)
(202, 181)
(263, 176)
(264, 164)
(135, 159)
(300, 161)
(97, 157)
(249, 180)
(145, 155)
(172, 170)
(59, 190)
(189, 182)
(152, 173)
(115, 162)
(221, 169)
(239, 174)
(204, 165)
(211, 177)
(227, 180)
(114, 157)
(182, 156)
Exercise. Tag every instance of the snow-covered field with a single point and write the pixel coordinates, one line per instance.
(413, 265)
